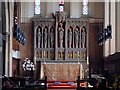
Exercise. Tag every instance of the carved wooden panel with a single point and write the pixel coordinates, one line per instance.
(44, 38)
(60, 38)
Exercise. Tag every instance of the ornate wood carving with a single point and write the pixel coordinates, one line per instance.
(60, 38)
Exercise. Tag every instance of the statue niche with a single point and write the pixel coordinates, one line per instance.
(39, 37)
(83, 36)
(70, 35)
(60, 35)
(76, 37)
(45, 37)
(61, 17)
(52, 37)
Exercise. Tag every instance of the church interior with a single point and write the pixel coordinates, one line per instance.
(60, 45)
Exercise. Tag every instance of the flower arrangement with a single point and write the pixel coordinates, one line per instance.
(28, 65)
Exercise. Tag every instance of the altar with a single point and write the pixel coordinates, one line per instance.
(62, 71)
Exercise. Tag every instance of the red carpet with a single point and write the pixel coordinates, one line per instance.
(61, 85)
(64, 85)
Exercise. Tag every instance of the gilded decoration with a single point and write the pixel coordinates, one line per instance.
(37, 54)
(70, 55)
(51, 55)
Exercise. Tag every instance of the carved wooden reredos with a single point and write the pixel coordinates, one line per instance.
(60, 38)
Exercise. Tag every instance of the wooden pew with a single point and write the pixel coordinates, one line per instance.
(15, 83)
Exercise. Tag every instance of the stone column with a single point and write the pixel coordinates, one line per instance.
(11, 14)
(6, 46)
(1, 46)
(106, 45)
(118, 26)
(113, 24)
(110, 14)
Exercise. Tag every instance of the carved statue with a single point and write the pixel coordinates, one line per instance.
(61, 34)
(83, 37)
(39, 37)
(45, 37)
(52, 38)
(70, 37)
(79, 38)
(60, 17)
(76, 37)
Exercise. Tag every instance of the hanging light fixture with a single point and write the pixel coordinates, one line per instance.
(104, 35)
(18, 34)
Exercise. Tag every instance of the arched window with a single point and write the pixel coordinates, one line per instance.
(37, 7)
(85, 7)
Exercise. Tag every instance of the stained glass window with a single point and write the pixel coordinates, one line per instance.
(61, 5)
(85, 7)
(37, 6)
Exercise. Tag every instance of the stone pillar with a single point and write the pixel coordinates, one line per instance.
(106, 45)
(7, 41)
(118, 26)
(113, 24)
(110, 14)
(11, 14)
(1, 45)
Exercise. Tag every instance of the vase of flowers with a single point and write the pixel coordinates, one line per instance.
(28, 67)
